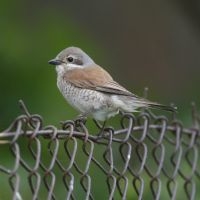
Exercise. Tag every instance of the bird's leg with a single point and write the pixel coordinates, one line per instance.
(81, 118)
(101, 127)
(121, 112)
(97, 123)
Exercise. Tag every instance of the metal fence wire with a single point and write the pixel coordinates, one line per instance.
(147, 157)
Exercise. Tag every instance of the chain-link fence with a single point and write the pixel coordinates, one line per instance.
(147, 157)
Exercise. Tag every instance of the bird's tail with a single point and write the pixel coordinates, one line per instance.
(131, 104)
(161, 106)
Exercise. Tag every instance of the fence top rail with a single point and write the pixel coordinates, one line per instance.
(34, 121)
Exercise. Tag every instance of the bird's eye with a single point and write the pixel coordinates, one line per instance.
(70, 59)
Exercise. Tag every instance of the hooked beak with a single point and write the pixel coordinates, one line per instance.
(55, 62)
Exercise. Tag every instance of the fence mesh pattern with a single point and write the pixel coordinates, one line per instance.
(147, 157)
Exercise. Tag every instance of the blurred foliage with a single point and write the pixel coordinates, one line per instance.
(27, 43)
(34, 32)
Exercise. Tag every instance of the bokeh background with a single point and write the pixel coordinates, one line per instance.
(152, 44)
(142, 43)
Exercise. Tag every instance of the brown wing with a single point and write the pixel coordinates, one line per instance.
(95, 78)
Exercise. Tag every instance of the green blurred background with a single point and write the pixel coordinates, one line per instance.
(141, 43)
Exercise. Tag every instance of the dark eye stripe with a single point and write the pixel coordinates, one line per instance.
(78, 62)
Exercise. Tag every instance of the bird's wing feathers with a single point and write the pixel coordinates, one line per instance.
(95, 78)
(114, 88)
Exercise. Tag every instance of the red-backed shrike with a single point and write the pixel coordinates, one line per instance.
(91, 90)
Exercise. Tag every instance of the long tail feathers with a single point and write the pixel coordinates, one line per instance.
(161, 107)
(128, 104)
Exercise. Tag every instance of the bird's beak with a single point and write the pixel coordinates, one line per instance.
(55, 62)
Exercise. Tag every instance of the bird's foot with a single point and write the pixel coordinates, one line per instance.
(80, 119)
(105, 132)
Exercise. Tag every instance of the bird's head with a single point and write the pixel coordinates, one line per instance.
(71, 58)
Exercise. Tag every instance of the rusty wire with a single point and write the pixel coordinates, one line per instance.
(149, 157)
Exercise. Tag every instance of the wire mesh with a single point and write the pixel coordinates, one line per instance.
(148, 157)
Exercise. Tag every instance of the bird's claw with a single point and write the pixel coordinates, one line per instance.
(105, 132)
(80, 119)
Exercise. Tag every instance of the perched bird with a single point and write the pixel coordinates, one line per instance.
(91, 90)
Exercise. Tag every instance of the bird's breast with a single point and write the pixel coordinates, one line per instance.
(82, 99)
(97, 104)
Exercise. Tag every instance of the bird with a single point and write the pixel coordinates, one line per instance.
(92, 91)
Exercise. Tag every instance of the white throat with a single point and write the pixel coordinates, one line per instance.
(61, 69)
(74, 66)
